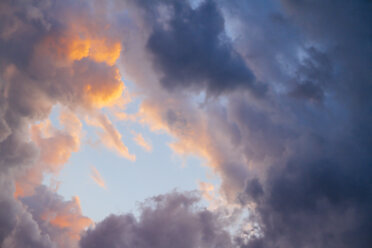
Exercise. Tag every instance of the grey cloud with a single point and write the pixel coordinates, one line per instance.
(191, 49)
(45, 206)
(17, 227)
(304, 148)
(317, 190)
(171, 220)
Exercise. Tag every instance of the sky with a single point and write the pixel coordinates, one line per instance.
(185, 123)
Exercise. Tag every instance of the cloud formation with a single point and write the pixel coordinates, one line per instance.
(55, 148)
(297, 156)
(62, 221)
(170, 220)
(274, 95)
(51, 53)
(190, 49)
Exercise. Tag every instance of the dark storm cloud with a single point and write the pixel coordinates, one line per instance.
(191, 49)
(171, 220)
(321, 198)
(343, 29)
(312, 76)
(319, 194)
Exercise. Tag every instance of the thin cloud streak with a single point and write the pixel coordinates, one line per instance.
(97, 178)
(138, 138)
(109, 135)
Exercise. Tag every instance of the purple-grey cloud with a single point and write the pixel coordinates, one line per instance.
(171, 220)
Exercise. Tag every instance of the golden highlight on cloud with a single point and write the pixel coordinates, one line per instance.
(96, 177)
(138, 138)
(81, 60)
(99, 50)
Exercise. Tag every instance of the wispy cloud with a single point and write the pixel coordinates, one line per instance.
(138, 138)
(110, 136)
(97, 178)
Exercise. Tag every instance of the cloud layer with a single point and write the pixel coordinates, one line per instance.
(274, 95)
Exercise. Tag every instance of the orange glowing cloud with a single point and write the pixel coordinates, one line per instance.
(73, 45)
(80, 63)
(100, 93)
(99, 50)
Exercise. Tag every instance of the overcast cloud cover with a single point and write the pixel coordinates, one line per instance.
(274, 95)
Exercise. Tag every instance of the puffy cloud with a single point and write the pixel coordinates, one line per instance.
(61, 220)
(171, 220)
(18, 227)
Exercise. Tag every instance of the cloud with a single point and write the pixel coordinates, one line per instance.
(190, 49)
(61, 220)
(171, 220)
(297, 156)
(18, 228)
(110, 136)
(97, 178)
(56, 147)
(51, 53)
(323, 179)
(138, 138)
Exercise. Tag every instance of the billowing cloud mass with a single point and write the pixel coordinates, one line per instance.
(166, 221)
(61, 220)
(191, 48)
(273, 95)
(51, 53)
(298, 155)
